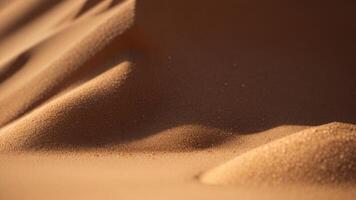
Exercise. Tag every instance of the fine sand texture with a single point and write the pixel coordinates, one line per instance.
(321, 155)
(157, 99)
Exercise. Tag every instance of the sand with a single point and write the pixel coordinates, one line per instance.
(321, 155)
(146, 99)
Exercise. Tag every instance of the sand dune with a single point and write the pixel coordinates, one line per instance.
(54, 53)
(318, 155)
(204, 80)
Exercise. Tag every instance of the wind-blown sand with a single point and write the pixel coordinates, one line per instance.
(151, 99)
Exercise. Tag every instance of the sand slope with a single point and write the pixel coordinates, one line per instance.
(319, 155)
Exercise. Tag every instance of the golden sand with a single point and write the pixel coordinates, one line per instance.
(319, 155)
(151, 98)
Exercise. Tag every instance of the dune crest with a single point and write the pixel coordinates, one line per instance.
(319, 155)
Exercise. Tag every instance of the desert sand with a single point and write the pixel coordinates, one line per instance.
(154, 99)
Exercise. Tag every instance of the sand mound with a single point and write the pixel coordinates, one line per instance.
(324, 154)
